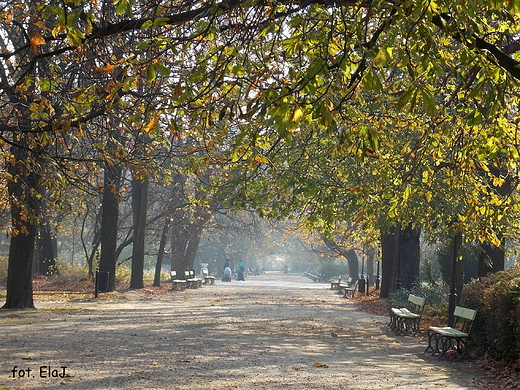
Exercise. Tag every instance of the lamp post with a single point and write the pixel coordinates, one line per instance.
(378, 279)
(452, 301)
(361, 282)
(398, 242)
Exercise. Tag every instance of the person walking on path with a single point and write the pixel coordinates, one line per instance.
(240, 271)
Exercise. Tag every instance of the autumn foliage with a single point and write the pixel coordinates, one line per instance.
(497, 327)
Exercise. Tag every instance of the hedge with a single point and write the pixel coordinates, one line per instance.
(496, 298)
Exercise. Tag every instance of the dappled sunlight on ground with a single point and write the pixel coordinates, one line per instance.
(254, 334)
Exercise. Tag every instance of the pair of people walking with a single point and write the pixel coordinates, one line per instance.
(226, 272)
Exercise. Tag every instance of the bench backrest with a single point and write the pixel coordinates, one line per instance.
(419, 301)
(416, 304)
(463, 319)
(205, 272)
(187, 275)
(173, 275)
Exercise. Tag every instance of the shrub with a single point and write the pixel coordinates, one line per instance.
(497, 301)
(3, 267)
(435, 294)
(72, 271)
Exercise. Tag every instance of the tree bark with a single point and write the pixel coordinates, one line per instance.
(456, 276)
(45, 263)
(109, 219)
(491, 259)
(370, 260)
(139, 207)
(410, 256)
(160, 255)
(388, 262)
(23, 190)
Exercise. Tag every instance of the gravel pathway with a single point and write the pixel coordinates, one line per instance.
(263, 333)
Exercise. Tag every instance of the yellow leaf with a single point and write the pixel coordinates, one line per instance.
(36, 41)
(151, 125)
(8, 19)
(322, 365)
(153, 363)
(108, 68)
(297, 114)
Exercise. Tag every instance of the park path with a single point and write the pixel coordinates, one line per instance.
(269, 332)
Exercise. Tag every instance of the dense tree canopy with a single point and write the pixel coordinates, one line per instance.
(380, 112)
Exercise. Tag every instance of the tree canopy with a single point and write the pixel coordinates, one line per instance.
(377, 112)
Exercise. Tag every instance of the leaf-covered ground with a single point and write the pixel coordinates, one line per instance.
(260, 334)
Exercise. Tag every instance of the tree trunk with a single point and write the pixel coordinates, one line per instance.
(185, 240)
(491, 259)
(160, 255)
(109, 219)
(139, 207)
(45, 263)
(353, 263)
(370, 260)
(388, 262)
(349, 254)
(456, 275)
(23, 190)
(410, 256)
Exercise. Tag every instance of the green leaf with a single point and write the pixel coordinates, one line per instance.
(150, 73)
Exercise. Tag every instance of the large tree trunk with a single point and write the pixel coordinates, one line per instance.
(139, 207)
(388, 262)
(370, 260)
(353, 263)
(45, 261)
(185, 240)
(349, 254)
(410, 256)
(160, 255)
(491, 259)
(109, 219)
(400, 255)
(456, 275)
(23, 190)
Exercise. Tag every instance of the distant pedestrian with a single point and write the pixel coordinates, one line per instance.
(226, 275)
(240, 271)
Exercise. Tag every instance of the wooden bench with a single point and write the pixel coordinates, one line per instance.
(315, 278)
(407, 319)
(208, 279)
(177, 284)
(454, 338)
(350, 290)
(334, 284)
(191, 280)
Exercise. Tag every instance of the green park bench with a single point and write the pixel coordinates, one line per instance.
(177, 284)
(191, 280)
(334, 284)
(454, 338)
(315, 278)
(407, 319)
(349, 290)
(208, 279)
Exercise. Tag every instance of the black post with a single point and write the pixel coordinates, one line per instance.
(398, 238)
(96, 283)
(453, 286)
(361, 284)
(378, 278)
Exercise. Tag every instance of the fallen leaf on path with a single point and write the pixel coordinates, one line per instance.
(321, 365)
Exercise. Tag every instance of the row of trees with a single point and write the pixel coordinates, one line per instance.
(388, 117)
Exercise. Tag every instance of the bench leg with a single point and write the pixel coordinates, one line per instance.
(432, 336)
(457, 344)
